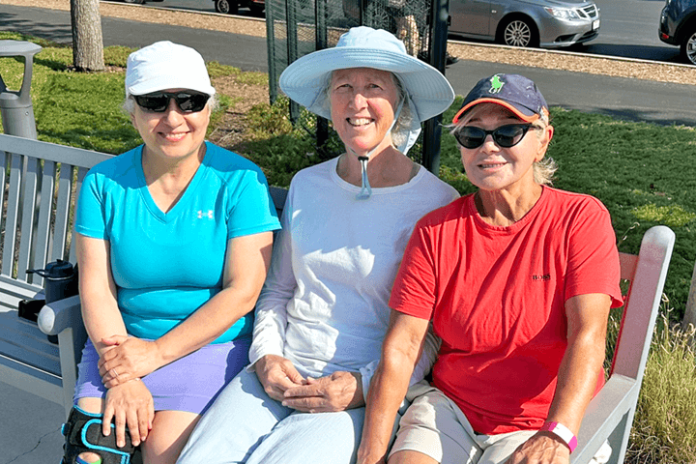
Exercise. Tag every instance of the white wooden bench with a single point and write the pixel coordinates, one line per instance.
(39, 182)
(30, 362)
(610, 414)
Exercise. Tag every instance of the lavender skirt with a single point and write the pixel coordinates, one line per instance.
(188, 384)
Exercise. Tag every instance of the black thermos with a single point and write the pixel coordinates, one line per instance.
(60, 280)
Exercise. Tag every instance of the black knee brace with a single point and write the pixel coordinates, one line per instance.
(83, 433)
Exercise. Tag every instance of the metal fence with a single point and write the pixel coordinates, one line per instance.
(298, 27)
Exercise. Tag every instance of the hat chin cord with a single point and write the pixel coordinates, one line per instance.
(366, 190)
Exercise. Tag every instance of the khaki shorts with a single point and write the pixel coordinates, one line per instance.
(435, 426)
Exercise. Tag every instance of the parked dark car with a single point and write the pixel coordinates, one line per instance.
(678, 27)
(232, 6)
(525, 23)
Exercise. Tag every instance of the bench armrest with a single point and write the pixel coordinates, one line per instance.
(604, 413)
(60, 315)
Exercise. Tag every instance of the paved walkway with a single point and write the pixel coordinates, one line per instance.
(29, 428)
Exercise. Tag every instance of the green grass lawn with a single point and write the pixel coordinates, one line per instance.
(644, 173)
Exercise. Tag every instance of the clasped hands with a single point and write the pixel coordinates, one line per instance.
(128, 401)
(336, 392)
(126, 359)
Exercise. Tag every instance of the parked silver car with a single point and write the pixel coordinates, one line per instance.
(526, 23)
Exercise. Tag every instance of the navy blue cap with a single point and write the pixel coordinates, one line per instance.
(516, 93)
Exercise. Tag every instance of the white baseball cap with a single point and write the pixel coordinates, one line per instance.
(166, 65)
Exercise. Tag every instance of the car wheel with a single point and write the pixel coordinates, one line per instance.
(688, 46)
(135, 2)
(519, 32)
(226, 6)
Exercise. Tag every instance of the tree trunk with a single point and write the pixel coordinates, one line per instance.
(88, 46)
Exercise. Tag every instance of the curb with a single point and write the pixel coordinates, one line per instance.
(574, 54)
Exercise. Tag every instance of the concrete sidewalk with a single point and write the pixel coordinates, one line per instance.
(29, 428)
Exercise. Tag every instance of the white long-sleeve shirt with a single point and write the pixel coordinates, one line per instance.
(324, 304)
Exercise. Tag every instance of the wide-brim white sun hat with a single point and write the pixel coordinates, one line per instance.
(166, 65)
(305, 80)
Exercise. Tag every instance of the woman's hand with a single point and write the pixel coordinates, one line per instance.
(336, 392)
(541, 448)
(128, 358)
(371, 460)
(277, 374)
(129, 404)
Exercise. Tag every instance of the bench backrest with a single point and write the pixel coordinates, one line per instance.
(279, 194)
(610, 414)
(647, 273)
(40, 182)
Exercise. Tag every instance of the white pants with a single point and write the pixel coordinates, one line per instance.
(245, 425)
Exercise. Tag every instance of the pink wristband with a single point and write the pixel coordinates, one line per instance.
(562, 432)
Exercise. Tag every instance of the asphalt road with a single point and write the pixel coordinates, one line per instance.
(658, 102)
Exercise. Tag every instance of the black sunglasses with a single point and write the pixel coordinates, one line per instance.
(158, 102)
(505, 136)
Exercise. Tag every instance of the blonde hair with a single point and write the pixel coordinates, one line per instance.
(545, 168)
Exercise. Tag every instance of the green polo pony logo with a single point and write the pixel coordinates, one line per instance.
(496, 84)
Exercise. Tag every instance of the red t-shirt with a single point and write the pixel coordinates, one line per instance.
(496, 296)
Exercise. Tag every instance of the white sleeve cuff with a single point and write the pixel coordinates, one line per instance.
(366, 373)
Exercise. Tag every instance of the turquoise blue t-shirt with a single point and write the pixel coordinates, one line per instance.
(167, 265)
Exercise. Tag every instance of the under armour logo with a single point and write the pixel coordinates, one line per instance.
(203, 214)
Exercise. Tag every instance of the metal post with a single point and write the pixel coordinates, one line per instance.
(321, 42)
(270, 45)
(362, 5)
(436, 52)
(690, 313)
(291, 17)
(15, 106)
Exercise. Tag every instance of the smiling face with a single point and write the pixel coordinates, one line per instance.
(493, 168)
(363, 102)
(172, 135)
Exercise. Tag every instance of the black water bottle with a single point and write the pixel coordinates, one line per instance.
(60, 280)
